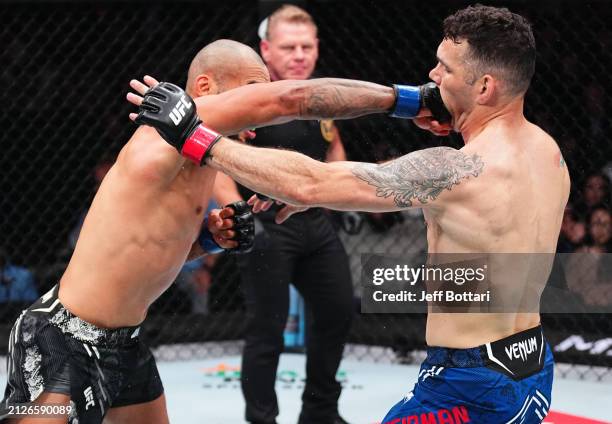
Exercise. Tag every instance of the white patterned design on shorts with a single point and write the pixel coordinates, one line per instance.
(31, 370)
(73, 417)
(76, 327)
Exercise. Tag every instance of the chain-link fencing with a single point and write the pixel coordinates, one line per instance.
(64, 75)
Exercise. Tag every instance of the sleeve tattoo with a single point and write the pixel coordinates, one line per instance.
(334, 98)
(421, 175)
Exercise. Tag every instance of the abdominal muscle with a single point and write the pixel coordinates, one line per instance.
(132, 246)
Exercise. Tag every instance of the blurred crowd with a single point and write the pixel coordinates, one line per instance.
(585, 242)
(586, 223)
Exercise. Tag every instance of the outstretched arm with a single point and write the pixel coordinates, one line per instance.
(263, 104)
(257, 105)
(418, 179)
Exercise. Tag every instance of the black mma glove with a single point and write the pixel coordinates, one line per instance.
(432, 100)
(167, 108)
(243, 225)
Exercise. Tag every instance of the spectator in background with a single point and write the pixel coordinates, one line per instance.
(304, 251)
(589, 272)
(595, 192)
(573, 231)
(599, 231)
(16, 283)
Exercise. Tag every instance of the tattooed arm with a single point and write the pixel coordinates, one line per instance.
(256, 105)
(418, 179)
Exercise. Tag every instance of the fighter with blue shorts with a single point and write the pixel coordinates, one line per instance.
(507, 381)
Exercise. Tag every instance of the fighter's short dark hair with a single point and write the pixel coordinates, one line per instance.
(498, 40)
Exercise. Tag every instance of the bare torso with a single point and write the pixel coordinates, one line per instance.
(137, 234)
(515, 205)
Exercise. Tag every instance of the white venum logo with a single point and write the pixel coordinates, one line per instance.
(522, 349)
(178, 112)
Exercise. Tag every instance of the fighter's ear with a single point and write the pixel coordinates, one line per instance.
(487, 87)
(204, 85)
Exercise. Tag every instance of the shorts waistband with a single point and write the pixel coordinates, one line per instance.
(525, 346)
(79, 329)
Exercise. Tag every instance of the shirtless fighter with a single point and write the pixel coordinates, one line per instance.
(79, 344)
(504, 191)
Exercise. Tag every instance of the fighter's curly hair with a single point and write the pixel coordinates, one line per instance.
(500, 42)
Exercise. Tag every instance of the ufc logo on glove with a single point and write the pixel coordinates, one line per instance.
(178, 113)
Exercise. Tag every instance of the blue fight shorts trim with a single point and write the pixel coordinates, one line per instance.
(506, 381)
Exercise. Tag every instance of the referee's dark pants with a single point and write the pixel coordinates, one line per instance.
(306, 252)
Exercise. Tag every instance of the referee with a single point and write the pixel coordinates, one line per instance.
(304, 251)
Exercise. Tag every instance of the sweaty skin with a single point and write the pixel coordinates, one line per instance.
(148, 211)
(503, 192)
